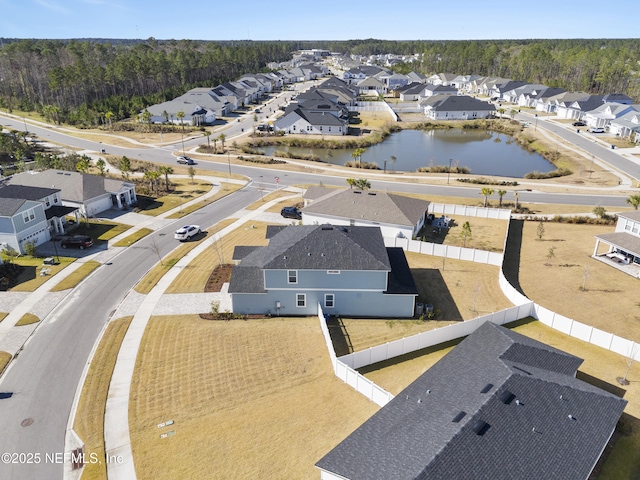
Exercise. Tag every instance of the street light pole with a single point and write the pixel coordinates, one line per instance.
(449, 171)
(182, 138)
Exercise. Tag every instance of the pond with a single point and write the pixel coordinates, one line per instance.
(483, 152)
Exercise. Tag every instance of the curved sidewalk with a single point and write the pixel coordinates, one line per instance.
(116, 421)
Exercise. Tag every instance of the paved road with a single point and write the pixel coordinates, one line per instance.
(43, 380)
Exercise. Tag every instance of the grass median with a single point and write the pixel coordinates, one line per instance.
(74, 278)
(89, 420)
(133, 238)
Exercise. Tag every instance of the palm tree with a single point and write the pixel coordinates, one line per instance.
(215, 141)
(152, 177)
(222, 137)
(351, 182)
(207, 134)
(146, 118)
(501, 193)
(486, 191)
(180, 116)
(166, 171)
(393, 161)
(357, 155)
(634, 200)
(362, 184)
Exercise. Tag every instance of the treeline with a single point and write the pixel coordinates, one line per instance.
(80, 81)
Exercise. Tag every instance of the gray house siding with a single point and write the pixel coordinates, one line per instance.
(322, 279)
(6, 225)
(346, 303)
(39, 216)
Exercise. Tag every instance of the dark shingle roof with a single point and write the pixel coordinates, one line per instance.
(450, 103)
(26, 192)
(477, 414)
(626, 241)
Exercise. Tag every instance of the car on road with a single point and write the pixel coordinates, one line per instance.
(579, 124)
(77, 241)
(186, 232)
(186, 161)
(291, 212)
(596, 130)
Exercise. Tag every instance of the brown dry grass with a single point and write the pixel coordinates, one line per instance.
(224, 190)
(250, 399)
(3, 315)
(146, 284)
(460, 290)
(5, 358)
(486, 233)
(77, 276)
(27, 319)
(610, 301)
(89, 420)
(193, 278)
(274, 196)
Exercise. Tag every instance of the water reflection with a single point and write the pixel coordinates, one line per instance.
(483, 152)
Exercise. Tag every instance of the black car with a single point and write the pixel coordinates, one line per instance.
(579, 124)
(77, 241)
(291, 212)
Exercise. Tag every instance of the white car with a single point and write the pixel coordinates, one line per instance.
(597, 130)
(186, 232)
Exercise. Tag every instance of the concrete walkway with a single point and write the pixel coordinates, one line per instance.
(116, 421)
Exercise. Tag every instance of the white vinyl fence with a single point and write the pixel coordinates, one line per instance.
(447, 251)
(470, 211)
(374, 107)
(348, 375)
(423, 340)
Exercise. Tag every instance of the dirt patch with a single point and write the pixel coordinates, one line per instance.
(219, 275)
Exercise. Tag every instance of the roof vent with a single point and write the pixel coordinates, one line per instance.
(459, 417)
(420, 401)
(357, 191)
(518, 402)
(571, 417)
(507, 397)
(480, 427)
(428, 391)
(486, 388)
(372, 194)
(327, 227)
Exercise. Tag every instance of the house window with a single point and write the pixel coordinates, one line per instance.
(294, 127)
(292, 276)
(55, 199)
(627, 225)
(47, 202)
(301, 300)
(329, 128)
(329, 299)
(320, 127)
(28, 215)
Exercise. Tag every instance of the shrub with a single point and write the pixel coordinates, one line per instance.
(558, 172)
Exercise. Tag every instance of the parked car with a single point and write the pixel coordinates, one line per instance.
(77, 241)
(596, 130)
(186, 232)
(579, 124)
(291, 212)
(186, 161)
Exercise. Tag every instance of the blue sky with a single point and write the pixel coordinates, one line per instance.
(323, 20)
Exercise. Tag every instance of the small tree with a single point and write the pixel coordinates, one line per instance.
(180, 116)
(551, 254)
(600, 212)
(540, 230)
(393, 162)
(192, 173)
(487, 192)
(83, 165)
(466, 232)
(222, 137)
(125, 166)
(166, 171)
(30, 249)
(351, 182)
(102, 166)
(585, 277)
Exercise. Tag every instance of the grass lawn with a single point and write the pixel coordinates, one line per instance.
(30, 278)
(274, 196)
(624, 460)
(225, 189)
(27, 319)
(610, 300)
(183, 191)
(133, 238)
(460, 290)
(101, 230)
(3, 315)
(76, 277)
(157, 272)
(486, 233)
(193, 278)
(89, 421)
(250, 399)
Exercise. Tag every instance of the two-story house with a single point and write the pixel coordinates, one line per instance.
(623, 250)
(347, 270)
(29, 214)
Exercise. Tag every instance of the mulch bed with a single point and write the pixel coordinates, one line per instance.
(220, 275)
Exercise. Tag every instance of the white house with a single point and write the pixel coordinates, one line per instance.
(623, 245)
(458, 108)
